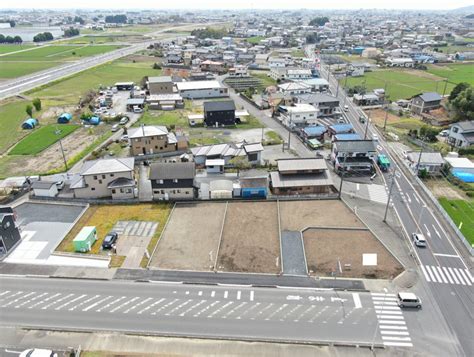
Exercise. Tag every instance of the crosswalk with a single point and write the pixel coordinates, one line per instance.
(377, 193)
(447, 275)
(392, 325)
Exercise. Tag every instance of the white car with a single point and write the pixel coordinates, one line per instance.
(375, 137)
(38, 352)
(419, 239)
(346, 108)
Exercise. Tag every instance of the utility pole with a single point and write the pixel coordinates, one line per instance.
(367, 126)
(329, 71)
(342, 174)
(389, 196)
(337, 90)
(58, 132)
(445, 85)
(385, 120)
(419, 160)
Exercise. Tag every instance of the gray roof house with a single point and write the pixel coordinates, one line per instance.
(461, 134)
(423, 103)
(432, 162)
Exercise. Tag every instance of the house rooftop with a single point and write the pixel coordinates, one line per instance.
(160, 79)
(322, 178)
(355, 146)
(147, 130)
(172, 170)
(426, 157)
(303, 164)
(430, 97)
(194, 85)
(105, 166)
(467, 125)
(219, 105)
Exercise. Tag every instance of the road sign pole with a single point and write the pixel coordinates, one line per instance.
(389, 197)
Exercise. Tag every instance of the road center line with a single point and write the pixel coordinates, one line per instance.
(357, 302)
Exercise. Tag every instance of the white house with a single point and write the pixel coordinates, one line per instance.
(298, 116)
(201, 89)
(44, 189)
(461, 134)
(293, 88)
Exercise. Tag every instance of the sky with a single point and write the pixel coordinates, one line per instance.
(245, 4)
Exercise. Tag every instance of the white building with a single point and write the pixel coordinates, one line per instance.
(201, 89)
(293, 88)
(298, 116)
(44, 189)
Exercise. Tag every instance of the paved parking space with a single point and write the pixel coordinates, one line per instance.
(43, 226)
(135, 228)
(292, 253)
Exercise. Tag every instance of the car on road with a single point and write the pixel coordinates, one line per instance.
(115, 128)
(124, 121)
(38, 352)
(341, 121)
(375, 137)
(419, 239)
(408, 300)
(110, 240)
(346, 108)
(124, 138)
(60, 184)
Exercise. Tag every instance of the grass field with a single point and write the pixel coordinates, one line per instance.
(263, 76)
(401, 84)
(255, 39)
(103, 39)
(12, 114)
(461, 211)
(15, 69)
(455, 73)
(155, 117)
(298, 53)
(13, 48)
(42, 138)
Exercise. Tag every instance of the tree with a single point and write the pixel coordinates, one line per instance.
(240, 163)
(37, 104)
(78, 19)
(29, 110)
(9, 39)
(428, 133)
(2, 38)
(156, 66)
(17, 39)
(209, 32)
(71, 32)
(12, 23)
(44, 36)
(464, 104)
(458, 89)
(116, 19)
(319, 21)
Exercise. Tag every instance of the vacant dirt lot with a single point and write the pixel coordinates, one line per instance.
(250, 242)
(297, 215)
(192, 232)
(324, 247)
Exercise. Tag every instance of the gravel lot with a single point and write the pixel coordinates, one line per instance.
(297, 215)
(192, 232)
(250, 242)
(324, 247)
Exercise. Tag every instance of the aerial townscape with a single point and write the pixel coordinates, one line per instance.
(236, 179)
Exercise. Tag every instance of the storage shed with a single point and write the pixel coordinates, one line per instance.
(30, 123)
(85, 239)
(65, 118)
(44, 189)
(221, 189)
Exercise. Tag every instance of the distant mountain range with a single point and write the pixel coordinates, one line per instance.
(465, 9)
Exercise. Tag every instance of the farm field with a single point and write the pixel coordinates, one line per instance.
(327, 248)
(12, 48)
(401, 84)
(12, 114)
(461, 211)
(185, 248)
(455, 73)
(250, 240)
(101, 39)
(255, 39)
(14, 69)
(42, 138)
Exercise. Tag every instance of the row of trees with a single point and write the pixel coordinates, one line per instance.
(70, 32)
(44, 36)
(116, 19)
(461, 100)
(10, 39)
(209, 32)
(36, 104)
(319, 21)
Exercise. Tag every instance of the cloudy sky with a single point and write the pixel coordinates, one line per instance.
(245, 4)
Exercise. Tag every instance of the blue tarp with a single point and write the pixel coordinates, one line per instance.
(350, 137)
(94, 120)
(64, 118)
(317, 130)
(464, 176)
(29, 123)
(341, 128)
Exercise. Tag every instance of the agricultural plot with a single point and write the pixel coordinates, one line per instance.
(13, 48)
(455, 73)
(42, 138)
(340, 252)
(401, 84)
(10, 70)
(183, 246)
(461, 212)
(12, 114)
(250, 241)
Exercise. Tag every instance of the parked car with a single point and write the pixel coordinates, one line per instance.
(419, 239)
(60, 185)
(109, 240)
(375, 137)
(38, 352)
(444, 133)
(408, 300)
(137, 109)
(124, 121)
(341, 121)
(115, 128)
(346, 108)
(124, 138)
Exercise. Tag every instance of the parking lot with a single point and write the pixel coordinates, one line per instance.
(43, 226)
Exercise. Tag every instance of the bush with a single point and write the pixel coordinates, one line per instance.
(467, 151)
(470, 193)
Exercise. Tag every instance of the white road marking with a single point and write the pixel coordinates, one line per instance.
(200, 293)
(238, 295)
(97, 303)
(381, 294)
(396, 338)
(448, 275)
(215, 312)
(251, 295)
(465, 276)
(408, 198)
(124, 304)
(391, 317)
(414, 195)
(111, 303)
(390, 308)
(165, 306)
(385, 303)
(31, 300)
(394, 322)
(425, 273)
(176, 308)
(193, 307)
(446, 255)
(469, 275)
(441, 274)
(428, 269)
(19, 298)
(459, 276)
(453, 275)
(55, 302)
(427, 230)
(435, 272)
(226, 294)
(150, 306)
(137, 305)
(205, 308)
(401, 333)
(69, 302)
(378, 299)
(213, 293)
(398, 344)
(436, 231)
(388, 312)
(45, 300)
(5, 292)
(357, 302)
(388, 327)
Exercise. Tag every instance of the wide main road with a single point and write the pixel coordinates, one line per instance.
(236, 312)
(442, 267)
(22, 84)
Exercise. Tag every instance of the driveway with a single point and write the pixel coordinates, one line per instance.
(144, 185)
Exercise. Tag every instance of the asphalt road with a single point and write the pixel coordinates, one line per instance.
(235, 312)
(442, 266)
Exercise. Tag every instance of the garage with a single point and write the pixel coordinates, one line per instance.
(221, 189)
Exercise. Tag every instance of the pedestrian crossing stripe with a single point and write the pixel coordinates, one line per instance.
(447, 275)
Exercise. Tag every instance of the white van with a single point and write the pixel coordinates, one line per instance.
(137, 109)
(408, 300)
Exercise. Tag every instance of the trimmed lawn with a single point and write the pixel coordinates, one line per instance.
(298, 53)
(455, 73)
(104, 217)
(401, 84)
(159, 117)
(15, 69)
(12, 48)
(12, 115)
(461, 211)
(255, 39)
(263, 76)
(42, 138)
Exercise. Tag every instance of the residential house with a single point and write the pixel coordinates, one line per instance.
(298, 116)
(353, 156)
(165, 101)
(133, 103)
(9, 231)
(160, 85)
(461, 167)
(340, 129)
(294, 88)
(280, 74)
(366, 99)
(305, 176)
(202, 89)
(313, 132)
(106, 178)
(316, 84)
(461, 134)
(238, 72)
(227, 152)
(432, 162)
(213, 66)
(172, 180)
(276, 62)
(425, 102)
(153, 139)
(325, 103)
(220, 113)
(45, 189)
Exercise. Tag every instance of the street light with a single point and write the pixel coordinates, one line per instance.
(421, 214)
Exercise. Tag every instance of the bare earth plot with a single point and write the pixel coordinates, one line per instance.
(192, 232)
(325, 247)
(297, 215)
(250, 242)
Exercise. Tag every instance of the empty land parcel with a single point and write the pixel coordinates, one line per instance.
(246, 238)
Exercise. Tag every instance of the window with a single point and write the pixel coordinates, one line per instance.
(178, 191)
(100, 181)
(162, 192)
(161, 147)
(121, 190)
(113, 190)
(112, 175)
(455, 129)
(159, 182)
(103, 176)
(95, 177)
(175, 180)
(92, 188)
(129, 190)
(156, 147)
